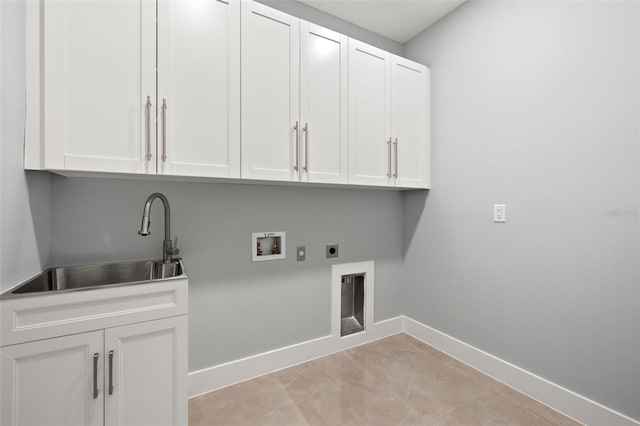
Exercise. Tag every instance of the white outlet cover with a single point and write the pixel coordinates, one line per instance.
(499, 213)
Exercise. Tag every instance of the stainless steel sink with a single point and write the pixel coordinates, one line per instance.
(95, 276)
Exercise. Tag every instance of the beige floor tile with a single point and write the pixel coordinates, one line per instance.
(258, 402)
(433, 384)
(397, 381)
(495, 410)
(349, 401)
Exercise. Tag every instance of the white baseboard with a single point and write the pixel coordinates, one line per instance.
(560, 399)
(219, 376)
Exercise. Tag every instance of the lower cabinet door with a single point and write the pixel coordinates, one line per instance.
(146, 373)
(53, 382)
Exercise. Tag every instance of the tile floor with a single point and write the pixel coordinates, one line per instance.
(393, 381)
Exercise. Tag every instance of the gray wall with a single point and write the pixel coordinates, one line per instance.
(24, 197)
(535, 105)
(238, 308)
(319, 17)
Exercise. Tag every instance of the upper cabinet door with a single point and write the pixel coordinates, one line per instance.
(323, 104)
(53, 382)
(198, 104)
(369, 115)
(410, 123)
(146, 373)
(270, 94)
(98, 69)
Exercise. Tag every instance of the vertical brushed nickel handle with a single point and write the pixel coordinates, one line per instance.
(295, 127)
(389, 158)
(95, 375)
(306, 147)
(164, 130)
(148, 118)
(395, 145)
(110, 372)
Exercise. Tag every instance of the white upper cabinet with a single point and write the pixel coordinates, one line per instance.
(369, 115)
(270, 94)
(91, 65)
(198, 103)
(409, 123)
(388, 119)
(323, 104)
(294, 98)
(219, 89)
(99, 104)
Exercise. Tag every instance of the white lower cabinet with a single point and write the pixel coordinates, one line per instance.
(146, 366)
(111, 356)
(51, 382)
(135, 372)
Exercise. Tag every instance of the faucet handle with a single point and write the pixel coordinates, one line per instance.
(175, 250)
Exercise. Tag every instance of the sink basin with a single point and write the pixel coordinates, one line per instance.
(95, 276)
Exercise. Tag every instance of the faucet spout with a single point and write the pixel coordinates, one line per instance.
(167, 246)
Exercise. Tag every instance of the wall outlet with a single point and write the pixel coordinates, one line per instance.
(301, 253)
(332, 250)
(499, 213)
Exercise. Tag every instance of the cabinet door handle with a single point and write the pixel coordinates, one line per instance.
(95, 375)
(110, 372)
(389, 157)
(148, 123)
(395, 145)
(164, 130)
(295, 127)
(306, 147)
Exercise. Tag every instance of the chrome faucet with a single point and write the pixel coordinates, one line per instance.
(168, 250)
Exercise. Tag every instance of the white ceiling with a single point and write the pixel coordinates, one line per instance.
(399, 20)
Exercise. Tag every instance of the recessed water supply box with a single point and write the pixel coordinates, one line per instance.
(268, 246)
(352, 304)
(352, 299)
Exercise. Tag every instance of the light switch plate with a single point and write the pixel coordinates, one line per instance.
(499, 213)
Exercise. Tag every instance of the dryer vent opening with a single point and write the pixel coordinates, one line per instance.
(352, 304)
